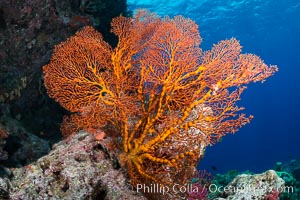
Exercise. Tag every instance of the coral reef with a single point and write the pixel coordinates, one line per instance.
(28, 31)
(290, 173)
(256, 187)
(77, 168)
(22, 146)
(166, 99)
(222, 180)
(3, 136)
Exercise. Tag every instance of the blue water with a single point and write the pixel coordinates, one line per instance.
(270, 29)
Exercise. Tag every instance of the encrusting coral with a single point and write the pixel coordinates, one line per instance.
(166, 97)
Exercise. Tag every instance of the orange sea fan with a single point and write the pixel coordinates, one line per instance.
(167, 99)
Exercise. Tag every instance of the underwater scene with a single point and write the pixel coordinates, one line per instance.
(158, 100)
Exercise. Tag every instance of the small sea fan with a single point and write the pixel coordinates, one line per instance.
(198, 192)
(274, 195)
(200, 183)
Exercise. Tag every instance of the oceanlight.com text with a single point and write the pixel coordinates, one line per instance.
(244, 188)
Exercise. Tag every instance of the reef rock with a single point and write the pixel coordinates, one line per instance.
(77, 168)
(254, 187)
(21, 146)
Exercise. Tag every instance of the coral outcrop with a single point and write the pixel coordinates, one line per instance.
(255, 187)
(77, 168)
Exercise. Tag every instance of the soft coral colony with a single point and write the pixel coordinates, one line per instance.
(166, 98)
